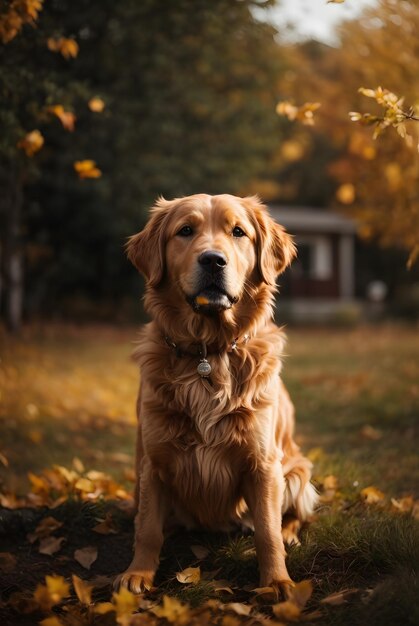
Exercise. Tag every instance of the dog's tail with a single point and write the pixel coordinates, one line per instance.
(300, 495)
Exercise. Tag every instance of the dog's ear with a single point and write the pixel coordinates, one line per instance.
(275, 247)
(146, 249)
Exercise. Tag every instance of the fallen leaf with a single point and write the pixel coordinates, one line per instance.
(288, 611)
(67, 47)
(87, 169)
(106, 526)
(301, 592)
(86, 556)
(78, 465)
(125, 604)
(340, 597)
(55, 590)
(31, 143)
(238, 607)
(83, 590)
(104, 607)
(51, 621)
(404, 505)
(200, 551)
(330, 482)
(67, 118)
(189, 575)
(372, 495)
(45, 527)
(173, 611)
(50, 545)
(96, 105)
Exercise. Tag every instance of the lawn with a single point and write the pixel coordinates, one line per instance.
(67, 419)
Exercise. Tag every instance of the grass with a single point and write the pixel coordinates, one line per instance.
(69, 392)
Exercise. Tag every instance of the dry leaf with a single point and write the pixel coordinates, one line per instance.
(3, 460)
(125, 604)
(238, 607)
(404, 505)
(67, 47)
(87, 169)
(67, 118)
(50, 545)
(45, 527)
(189, 575)
(287, 611)
(96, 105)
(106, 526)
(340, 597)
(83, 590)
(372, 495)
(78, 465)
(104, 607)
(301, 592)
(86, 556)
(51, 621)
(173, 611)
(31, 143)
(52, 593)
(200, 551)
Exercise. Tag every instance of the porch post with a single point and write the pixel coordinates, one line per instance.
(346, 267)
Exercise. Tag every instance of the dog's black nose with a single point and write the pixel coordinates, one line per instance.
(212, 261)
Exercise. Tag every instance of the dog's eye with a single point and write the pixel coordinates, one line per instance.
(185, 231)
(238, 232)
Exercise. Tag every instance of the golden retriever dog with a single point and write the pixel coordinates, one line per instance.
(215, 432)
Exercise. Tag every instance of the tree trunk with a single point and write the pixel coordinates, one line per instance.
(13, 256)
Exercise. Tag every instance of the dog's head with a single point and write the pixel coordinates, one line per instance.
(210, 249)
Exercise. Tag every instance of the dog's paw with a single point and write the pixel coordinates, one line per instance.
(136, 581)
(283, 588)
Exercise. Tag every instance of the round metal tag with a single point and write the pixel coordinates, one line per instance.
(204, 368)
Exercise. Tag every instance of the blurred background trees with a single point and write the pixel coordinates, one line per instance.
(177, 98)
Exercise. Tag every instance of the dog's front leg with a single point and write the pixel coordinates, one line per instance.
(149, 537)
(263, 492)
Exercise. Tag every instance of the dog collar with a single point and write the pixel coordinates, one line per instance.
(203, 367)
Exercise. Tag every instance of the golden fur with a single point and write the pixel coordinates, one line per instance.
(218, 451)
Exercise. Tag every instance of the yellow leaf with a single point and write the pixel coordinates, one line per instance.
(67, 47)
(173, 611)
(288, 611)
(87, 169)
(66, 118)
(125, 604)
(346, 193)
(31, 143)
(404, 505)
(104, 607)
(86, 556)
(189, 575)
(96, 105)
(330, 482)
(52, 593)
(83, 590)
(51, 621)
(372, 495)
(84, 484)
(301, 593)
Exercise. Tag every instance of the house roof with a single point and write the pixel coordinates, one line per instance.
(305, 219)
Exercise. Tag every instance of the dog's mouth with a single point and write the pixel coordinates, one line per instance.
(211, 299)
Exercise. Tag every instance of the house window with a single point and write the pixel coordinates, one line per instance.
(315, 257)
